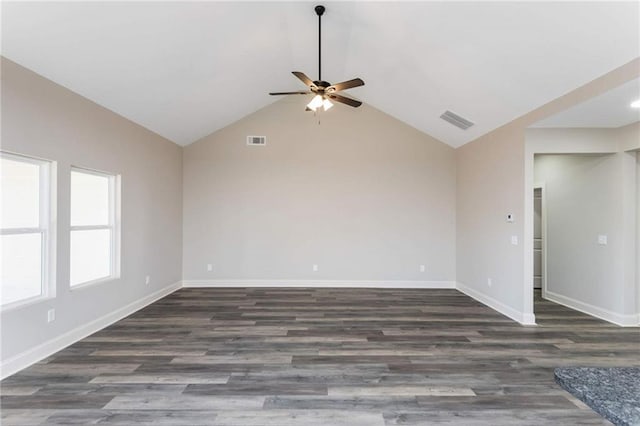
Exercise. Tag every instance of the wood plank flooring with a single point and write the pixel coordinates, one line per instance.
(320, 357)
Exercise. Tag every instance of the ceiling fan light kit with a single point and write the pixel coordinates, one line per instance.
(324, 91)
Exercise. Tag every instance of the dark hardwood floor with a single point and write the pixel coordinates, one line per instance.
(320, 357)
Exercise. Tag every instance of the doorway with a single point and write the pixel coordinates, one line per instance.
(538, 240)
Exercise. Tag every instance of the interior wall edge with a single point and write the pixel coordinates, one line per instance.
(524, 318)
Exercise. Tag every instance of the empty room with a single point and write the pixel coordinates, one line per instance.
(303, 213)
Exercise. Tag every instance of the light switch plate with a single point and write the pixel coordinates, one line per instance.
(602, 240)
(514, 240)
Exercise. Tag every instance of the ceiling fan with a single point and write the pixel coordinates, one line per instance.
(325, 92)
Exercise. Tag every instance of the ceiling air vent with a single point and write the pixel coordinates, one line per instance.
(456, 120)
(256, 140)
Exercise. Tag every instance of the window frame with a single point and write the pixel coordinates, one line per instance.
(113, 226)
(46, 227)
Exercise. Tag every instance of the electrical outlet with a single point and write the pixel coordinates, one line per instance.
(51, 315)
(209, 267)
(489, 282)
(315, 268)
(147, 279)
(602, 240)
(422, 268)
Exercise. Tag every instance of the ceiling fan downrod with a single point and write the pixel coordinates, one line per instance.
(323, 90)
(319, 11)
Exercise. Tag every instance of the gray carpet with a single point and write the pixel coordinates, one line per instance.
(614, 393)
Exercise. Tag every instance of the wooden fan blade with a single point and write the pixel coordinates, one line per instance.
(290, 93)
(344, 100)
(303, 77)
(356, 82)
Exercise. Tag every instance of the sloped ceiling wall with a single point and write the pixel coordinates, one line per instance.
(187, 69)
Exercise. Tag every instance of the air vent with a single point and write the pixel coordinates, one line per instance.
(256, 140)
(456, 120)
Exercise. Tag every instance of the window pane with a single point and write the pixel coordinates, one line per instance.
(90, 255)
(89, 199)
(20, 186)
(21, 267)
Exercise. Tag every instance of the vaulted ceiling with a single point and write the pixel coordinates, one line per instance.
(185, 70)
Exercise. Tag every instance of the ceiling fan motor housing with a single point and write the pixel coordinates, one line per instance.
(322, 84)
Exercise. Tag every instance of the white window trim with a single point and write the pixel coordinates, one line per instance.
(113, 226)
(47, 228)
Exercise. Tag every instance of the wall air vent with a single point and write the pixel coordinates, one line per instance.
(256, 140)
(456, 120)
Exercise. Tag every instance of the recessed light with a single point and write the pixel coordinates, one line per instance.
(635, 104)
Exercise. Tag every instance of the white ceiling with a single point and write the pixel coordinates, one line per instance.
(611, 109)
(186, 69)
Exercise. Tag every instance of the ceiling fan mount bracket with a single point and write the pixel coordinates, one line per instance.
(319, 10)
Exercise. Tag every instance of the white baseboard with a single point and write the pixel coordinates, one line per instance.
(33, 355)
(319, 283)
(615, 318)
(528, 319)
(521, 317)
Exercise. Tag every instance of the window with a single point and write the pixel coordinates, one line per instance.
(94, 226)
(25, 229)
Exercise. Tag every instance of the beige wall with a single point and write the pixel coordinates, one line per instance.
(628, 137)
(490, 179)
(42, 119)
(585, 197)
(362, 195)
(501, 159)
(618, 215)
(572, 140)
(627, 183)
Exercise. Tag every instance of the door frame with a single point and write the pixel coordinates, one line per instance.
(543, 229)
